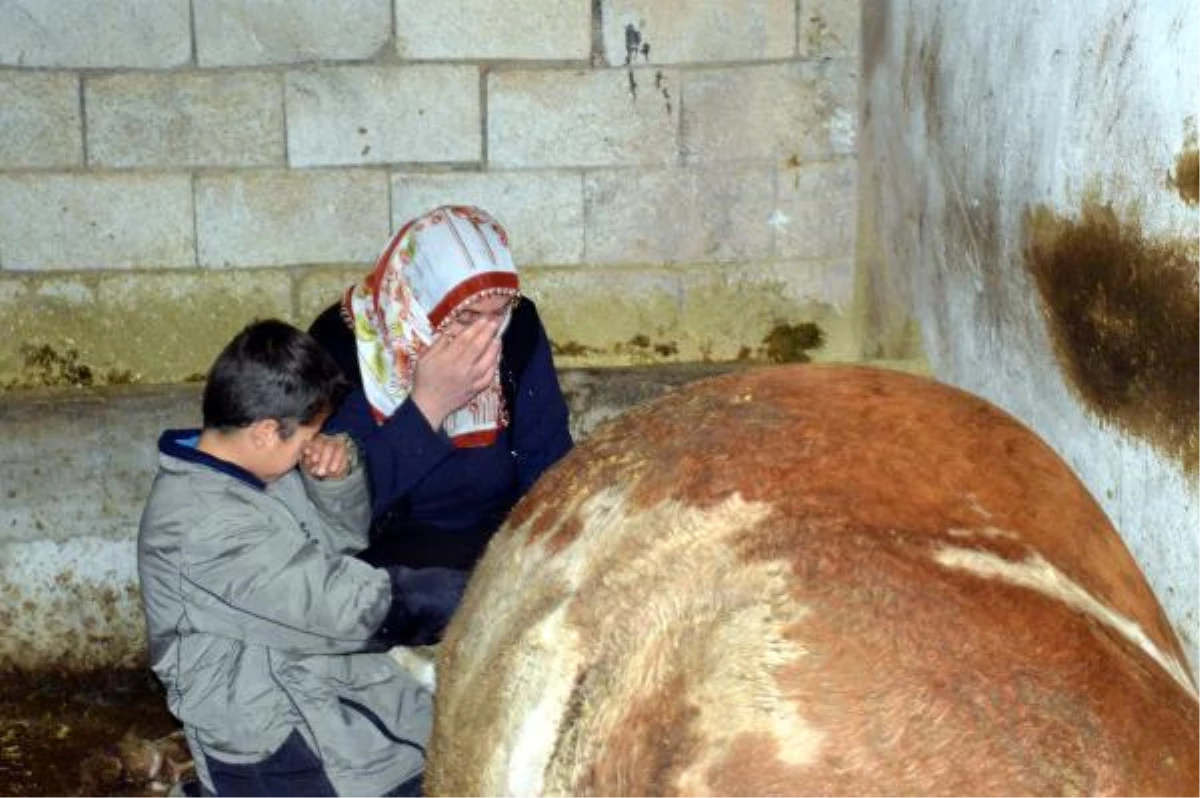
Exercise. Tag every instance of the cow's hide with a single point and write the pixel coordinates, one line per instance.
(811, 580)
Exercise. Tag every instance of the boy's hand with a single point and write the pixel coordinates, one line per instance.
(326, 457)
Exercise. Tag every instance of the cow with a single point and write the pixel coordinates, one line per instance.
(811, 579)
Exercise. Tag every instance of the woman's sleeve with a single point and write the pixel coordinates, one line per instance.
(540, 416)
(398, 452)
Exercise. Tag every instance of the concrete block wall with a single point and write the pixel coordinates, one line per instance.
(678, 176)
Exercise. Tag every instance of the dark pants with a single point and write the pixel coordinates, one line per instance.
(411, 789)
(292, 770)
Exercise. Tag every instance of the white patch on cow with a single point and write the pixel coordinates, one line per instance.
(712, 609)
(533, 740)
(1035, 573)
(530, 752)
(642, 598)
(986, 532)
(979, 509)
(755, 652)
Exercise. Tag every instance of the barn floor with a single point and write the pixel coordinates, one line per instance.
(59, 734)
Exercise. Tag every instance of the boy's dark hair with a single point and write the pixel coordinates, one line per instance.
(271, 370)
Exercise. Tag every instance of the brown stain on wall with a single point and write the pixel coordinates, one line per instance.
(790, 343)
(76, 627)
(1122, 309)
(47, 366)
(1186, 178)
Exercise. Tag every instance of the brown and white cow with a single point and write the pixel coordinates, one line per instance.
(812, 580)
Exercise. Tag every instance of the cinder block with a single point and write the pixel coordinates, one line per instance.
(185, 319)
(592, 314)
(542, 211)
(317, 287)
(701, 312)
(51, 221)
(40, 123)
(816, 210)
(100, 34)
(728, 315)
(370, 115)
(819, 181)
(240, 33)
(828, 283)
(574, 118)
(273, 218)
(36, 311)
(815, 230)
(485, 29)
(829, 28)
(185, 120)
(120, 327)
(781, 112)
(697, 31)
(678, 215)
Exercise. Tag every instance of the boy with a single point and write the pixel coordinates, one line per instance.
(268, 634)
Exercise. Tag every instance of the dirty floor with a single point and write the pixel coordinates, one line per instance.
(63, 734)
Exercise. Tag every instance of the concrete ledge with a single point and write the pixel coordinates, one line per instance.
(77, 467)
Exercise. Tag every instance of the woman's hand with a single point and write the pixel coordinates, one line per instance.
(454, 369)
(326, 457)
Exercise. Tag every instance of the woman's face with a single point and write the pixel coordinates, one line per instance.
(489, 307)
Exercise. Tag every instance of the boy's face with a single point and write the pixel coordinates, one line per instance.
(276, 455)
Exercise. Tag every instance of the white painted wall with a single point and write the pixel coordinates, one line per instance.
(976, 111)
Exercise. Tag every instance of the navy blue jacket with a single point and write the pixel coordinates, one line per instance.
(434, 504)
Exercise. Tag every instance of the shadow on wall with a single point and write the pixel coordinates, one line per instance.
(1122, 309)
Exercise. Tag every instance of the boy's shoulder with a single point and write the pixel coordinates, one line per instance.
(187, 491)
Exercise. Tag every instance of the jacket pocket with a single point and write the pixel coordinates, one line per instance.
(379, 725)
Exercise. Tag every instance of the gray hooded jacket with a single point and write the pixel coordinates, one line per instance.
(259, 620)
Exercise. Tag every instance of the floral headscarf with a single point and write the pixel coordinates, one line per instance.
(437, 264)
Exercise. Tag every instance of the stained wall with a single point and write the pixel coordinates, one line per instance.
(1029, 219)
(678, 177)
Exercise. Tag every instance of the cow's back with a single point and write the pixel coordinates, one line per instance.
(819, 580)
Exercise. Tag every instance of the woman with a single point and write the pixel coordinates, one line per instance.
(458, 409)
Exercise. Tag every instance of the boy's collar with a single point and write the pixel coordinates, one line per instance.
(181, 444)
